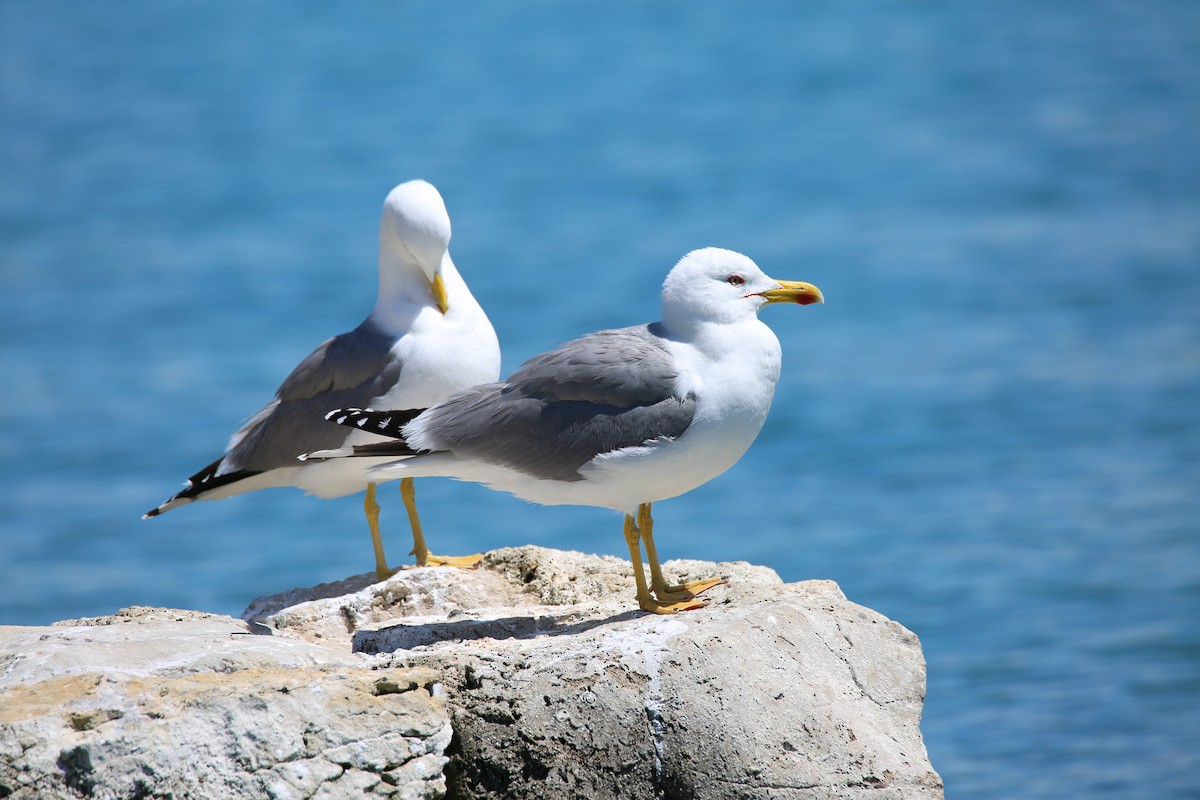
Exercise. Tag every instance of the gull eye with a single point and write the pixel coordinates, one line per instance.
(735, 280)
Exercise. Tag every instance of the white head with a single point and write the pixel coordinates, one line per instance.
(724, 287)
(414, 233)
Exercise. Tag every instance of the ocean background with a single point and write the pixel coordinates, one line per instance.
(990, 432)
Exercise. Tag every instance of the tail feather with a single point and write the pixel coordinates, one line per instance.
(384, 423)
(376, 449)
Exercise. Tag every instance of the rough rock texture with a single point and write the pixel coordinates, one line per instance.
(561, 688)
(524, 578)
(556, 685)
(162, 703)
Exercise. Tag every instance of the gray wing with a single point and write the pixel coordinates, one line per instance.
(607, 391)
(351, 369)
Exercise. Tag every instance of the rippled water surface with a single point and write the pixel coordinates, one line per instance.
(990, 433)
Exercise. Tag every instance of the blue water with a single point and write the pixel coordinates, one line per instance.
(990, 433)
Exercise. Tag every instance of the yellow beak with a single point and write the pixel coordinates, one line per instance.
(794, 292)
(439, 293)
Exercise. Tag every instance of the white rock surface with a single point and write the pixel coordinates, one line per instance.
(561, 688)
(164, 703)
(554, 683)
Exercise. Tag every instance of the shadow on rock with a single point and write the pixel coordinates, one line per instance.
(406, 636)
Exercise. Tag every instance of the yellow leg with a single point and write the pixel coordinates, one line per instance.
(408, 493)
(645, 601)
(372, 508)
(658, 583)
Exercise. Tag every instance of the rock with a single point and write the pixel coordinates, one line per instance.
(561, 688)
(553, 683)
(524, 578)
(779, 698)
(163, 703)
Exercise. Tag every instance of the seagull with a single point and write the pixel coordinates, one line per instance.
(426, 339)
(617, 419)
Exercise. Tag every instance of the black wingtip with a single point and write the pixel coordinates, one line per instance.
(384, 423)
(199, 484)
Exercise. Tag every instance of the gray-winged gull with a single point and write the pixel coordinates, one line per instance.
(617, 419)
(425, 339)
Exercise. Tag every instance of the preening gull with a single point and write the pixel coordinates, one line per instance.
(617, 419)
(426, 339)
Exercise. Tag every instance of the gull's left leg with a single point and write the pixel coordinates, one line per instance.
(645, 601)
(371, 507)
(408, 493)
(658, 583)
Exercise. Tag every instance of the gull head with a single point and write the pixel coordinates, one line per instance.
(715, 285)
(414, 234)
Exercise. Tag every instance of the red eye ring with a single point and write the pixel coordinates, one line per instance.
(735, 280)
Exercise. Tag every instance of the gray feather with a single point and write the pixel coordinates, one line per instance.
(604, 392)
(351, 369)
